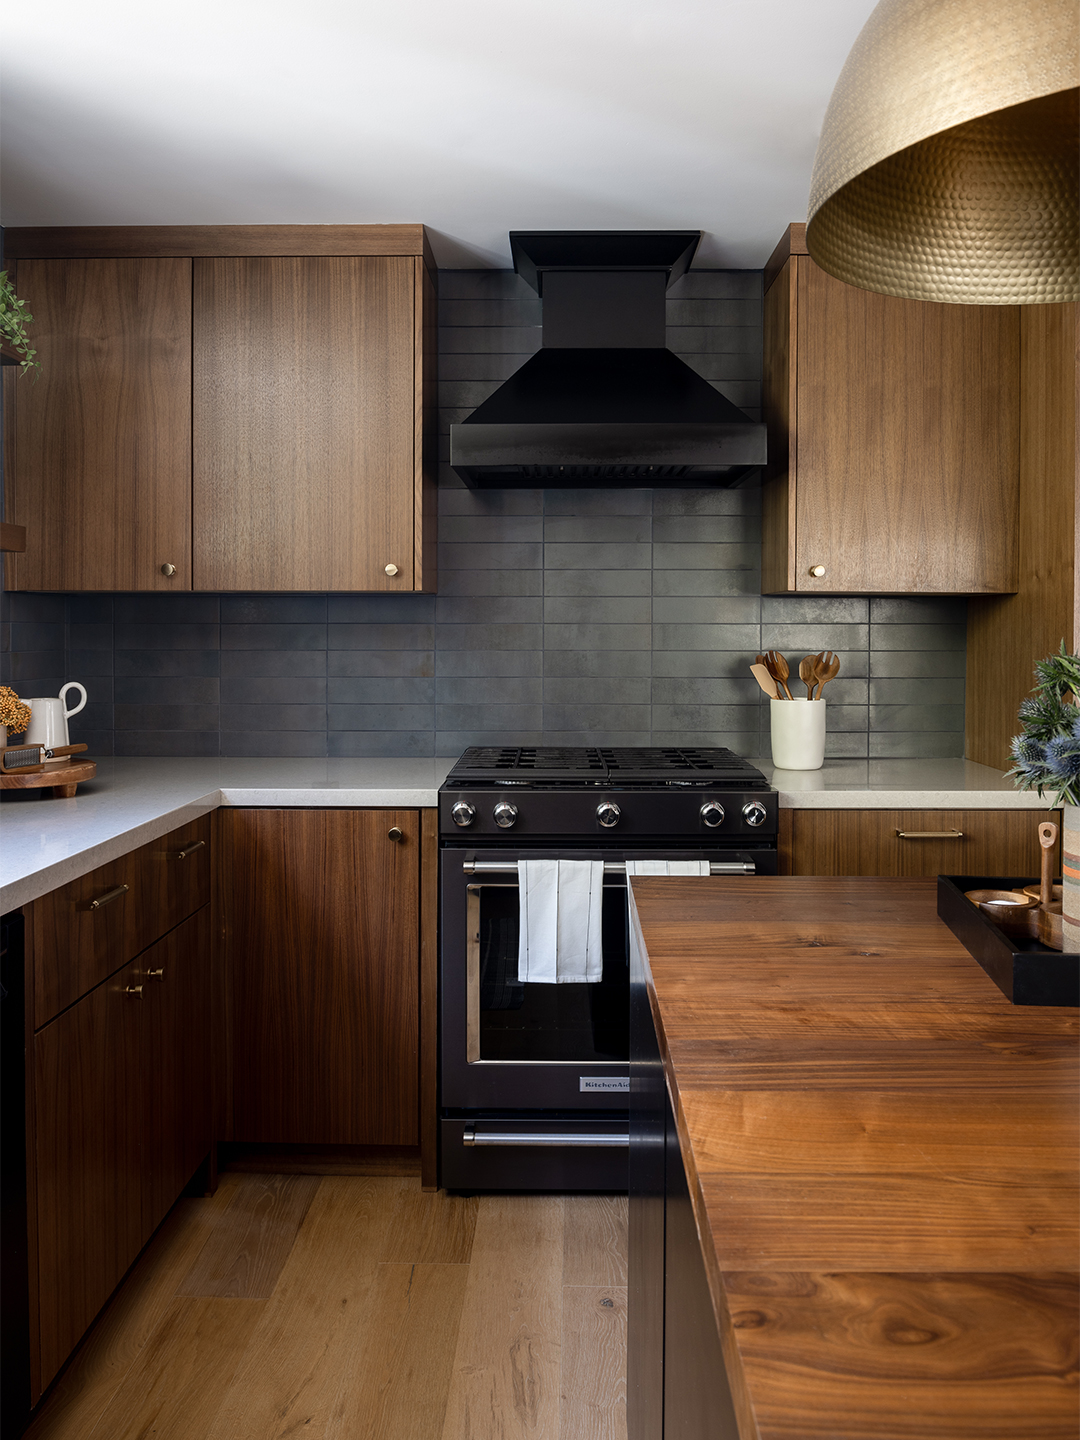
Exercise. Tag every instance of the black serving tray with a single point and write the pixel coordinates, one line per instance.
(1025, 970)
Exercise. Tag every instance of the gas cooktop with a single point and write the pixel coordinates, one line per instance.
(575, 767)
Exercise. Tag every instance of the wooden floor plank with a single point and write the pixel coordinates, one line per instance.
(505, 1383)
(93, 1377)
(243, 1258)
(177, 1384)
(301, 1350)
(399, 1376)
(593, 1401)
(431, 1228)
(594, 1240)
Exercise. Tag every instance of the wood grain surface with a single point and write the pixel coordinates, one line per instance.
(506, 1375)
(894, 431)
(865, 842)
(101, 473)
(1007, 634)
(321, 909)
(392, 1313)
(882, 1155)
(303, 423)
(183, 240)
(245, 1256)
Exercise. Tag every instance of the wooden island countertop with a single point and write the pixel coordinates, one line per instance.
(882, 1156)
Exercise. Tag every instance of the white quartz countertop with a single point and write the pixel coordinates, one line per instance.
(898, 785)
(45, 842)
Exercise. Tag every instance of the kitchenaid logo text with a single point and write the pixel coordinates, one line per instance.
(604, 1082)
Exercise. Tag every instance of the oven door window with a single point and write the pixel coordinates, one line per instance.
(511, 1021)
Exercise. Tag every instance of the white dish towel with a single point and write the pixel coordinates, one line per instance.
(559, 940)
(667, 867)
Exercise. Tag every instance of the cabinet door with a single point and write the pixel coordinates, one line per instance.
(102, 470)
(917, 842)
(907, 442)
(321, 914)
(304, 404)
(175, 976)
(89, 1130)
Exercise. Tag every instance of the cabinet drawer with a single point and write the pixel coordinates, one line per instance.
(83, 932)
(917, 842)
(175, 873)
(86, 929)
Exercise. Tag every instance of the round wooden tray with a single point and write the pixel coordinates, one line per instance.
(62, 779)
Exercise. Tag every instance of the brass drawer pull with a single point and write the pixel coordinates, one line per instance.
(106, 899)
(183, 854)
(156, 974)
(135, 990)
(930, 834)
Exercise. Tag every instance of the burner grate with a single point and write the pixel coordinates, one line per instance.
(659, 765)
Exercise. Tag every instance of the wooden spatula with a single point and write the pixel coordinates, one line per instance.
(765, 680)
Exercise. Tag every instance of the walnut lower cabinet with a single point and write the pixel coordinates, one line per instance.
(321, 920)
(120, 1074)
(912, 842)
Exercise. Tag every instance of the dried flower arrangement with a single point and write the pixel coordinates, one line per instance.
(1047, 750)
(14, 715)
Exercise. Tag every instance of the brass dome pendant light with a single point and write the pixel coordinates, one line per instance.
(948, 162)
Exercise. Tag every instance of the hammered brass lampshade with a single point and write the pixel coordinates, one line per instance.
(949, 157)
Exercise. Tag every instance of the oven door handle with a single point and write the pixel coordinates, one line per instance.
(517, 1137)
(611, 867)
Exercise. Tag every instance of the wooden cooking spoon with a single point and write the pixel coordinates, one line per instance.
(806, 674)
(827, 668)
(1048, 833)
(777, 667)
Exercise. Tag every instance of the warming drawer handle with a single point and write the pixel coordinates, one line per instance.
(930, 834)
(106, 899)
(190, 850)
(611, 867)
(515, 1137)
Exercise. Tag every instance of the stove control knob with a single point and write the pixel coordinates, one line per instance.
(463, 813)
(712, 814)
(608, 814)
(754, 813)
(504, 814)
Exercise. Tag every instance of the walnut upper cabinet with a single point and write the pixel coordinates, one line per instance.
(99, 444)
(893, 439)
(227, 408)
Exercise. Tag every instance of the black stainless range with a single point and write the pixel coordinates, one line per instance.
(534, 1077)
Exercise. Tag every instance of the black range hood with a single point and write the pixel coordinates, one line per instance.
(604, 402)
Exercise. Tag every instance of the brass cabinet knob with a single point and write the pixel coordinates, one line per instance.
(817, 571)
(168, 570)
(394, 834)
(135, 990)
(156, 974)
(391, 570)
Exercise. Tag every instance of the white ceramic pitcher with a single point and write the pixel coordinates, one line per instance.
(49, 717)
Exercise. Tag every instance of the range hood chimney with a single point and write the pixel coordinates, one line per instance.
(604, 402)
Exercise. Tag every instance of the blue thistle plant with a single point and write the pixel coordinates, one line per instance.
(1046, 753)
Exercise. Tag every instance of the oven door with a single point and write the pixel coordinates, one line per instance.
(513, 1046)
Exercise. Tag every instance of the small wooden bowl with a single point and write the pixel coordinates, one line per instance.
(1002, 905)
(1036, 890)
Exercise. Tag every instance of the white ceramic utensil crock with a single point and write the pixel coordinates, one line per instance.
(798, 734)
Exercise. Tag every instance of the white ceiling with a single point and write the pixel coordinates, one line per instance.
(474, 117)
